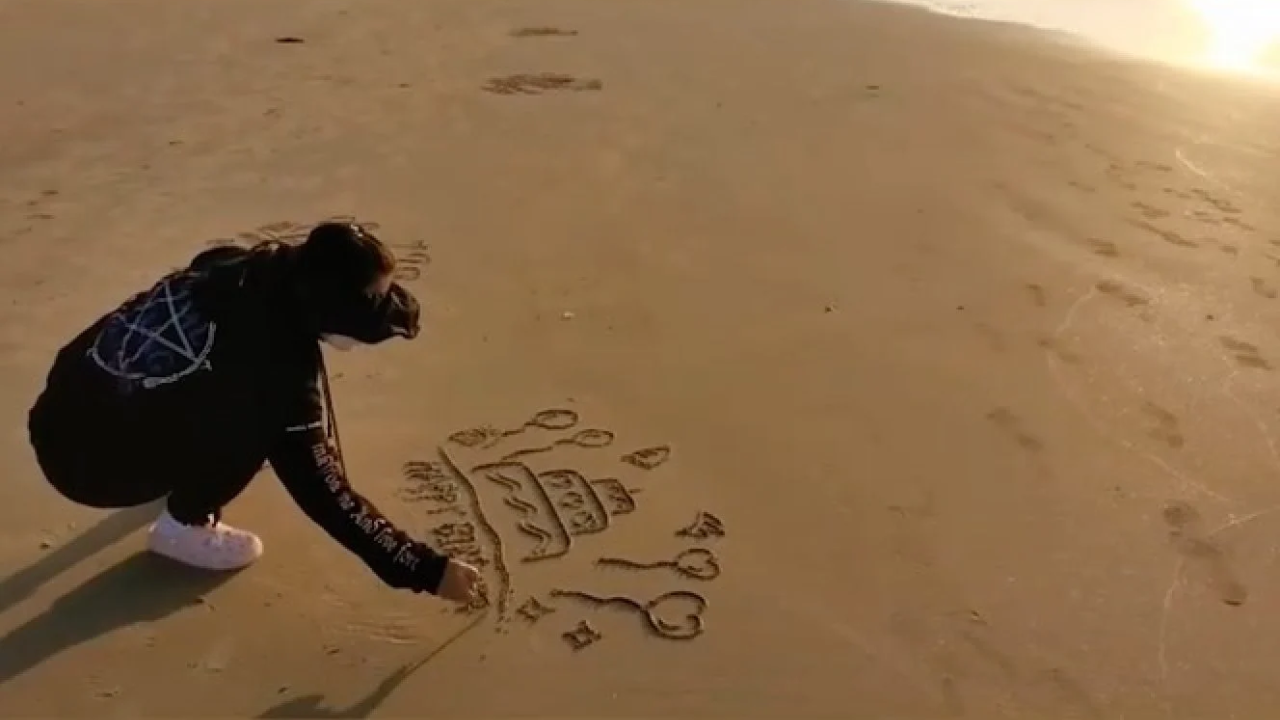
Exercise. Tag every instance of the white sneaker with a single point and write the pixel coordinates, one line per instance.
(216, 546)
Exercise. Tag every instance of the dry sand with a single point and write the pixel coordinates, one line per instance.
(966, 336)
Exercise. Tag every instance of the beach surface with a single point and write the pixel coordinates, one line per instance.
(951, 345)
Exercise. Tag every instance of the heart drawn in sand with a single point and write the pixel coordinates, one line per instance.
(684, 626)
(698, 563)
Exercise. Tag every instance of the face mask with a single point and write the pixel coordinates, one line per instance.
(369, 318)
(341, 343)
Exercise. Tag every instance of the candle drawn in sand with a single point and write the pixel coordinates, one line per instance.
(589, 438)
(694, 563)
(487, 436)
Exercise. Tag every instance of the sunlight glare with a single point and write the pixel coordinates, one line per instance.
(1240, 31)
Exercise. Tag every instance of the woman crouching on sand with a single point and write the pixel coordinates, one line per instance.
(186, 390)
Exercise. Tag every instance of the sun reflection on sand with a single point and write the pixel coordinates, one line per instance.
(1241, 32)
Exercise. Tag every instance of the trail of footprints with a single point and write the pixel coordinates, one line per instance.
(1162, 425)
(1196, 204)
(551, 509)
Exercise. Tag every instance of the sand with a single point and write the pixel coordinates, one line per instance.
(964, 335)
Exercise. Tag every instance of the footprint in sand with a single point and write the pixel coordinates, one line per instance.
(1038, 296)
(1168, 236)
(36, 205)
(1245, 354)
(1205, 217)
(1065, 355)
(1116, 174)
(1187, 536)
(1151, 212)
(542, 31)
(1011, 424)
(1217, 203)
(1121, 292)
(991, 336)
(1263, 288)
(538, 83)
(1165, 426)
(1239, 224)
(1103, 248)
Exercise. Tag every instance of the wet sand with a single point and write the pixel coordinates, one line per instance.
(964, 336)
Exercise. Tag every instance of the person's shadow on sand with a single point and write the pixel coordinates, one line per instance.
(312, 706)
(142, 588)
(23, 584)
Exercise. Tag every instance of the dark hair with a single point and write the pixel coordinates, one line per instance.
(343, 257)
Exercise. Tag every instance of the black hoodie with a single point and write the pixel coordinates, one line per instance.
(208, 375)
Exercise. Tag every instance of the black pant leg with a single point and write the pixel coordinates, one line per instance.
(199, 497)
(91, 466)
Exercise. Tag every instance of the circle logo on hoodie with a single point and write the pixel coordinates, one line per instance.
(157, 337)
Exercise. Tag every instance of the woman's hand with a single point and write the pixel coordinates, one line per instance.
(461, 583)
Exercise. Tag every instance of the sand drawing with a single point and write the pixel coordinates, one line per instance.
(411, 259)
(542, 31)
(488, 436)
(589, 438)
(704, 526)
(694, 563)
(286, 231)
(556, 506)
(686, 627)
(582, 636)
(605, 496)
(648, 458)
(549, 508)
(531, 501)
(538, 83)
(429, 484)
(442, 482)
(458, 539)
(532, 610)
